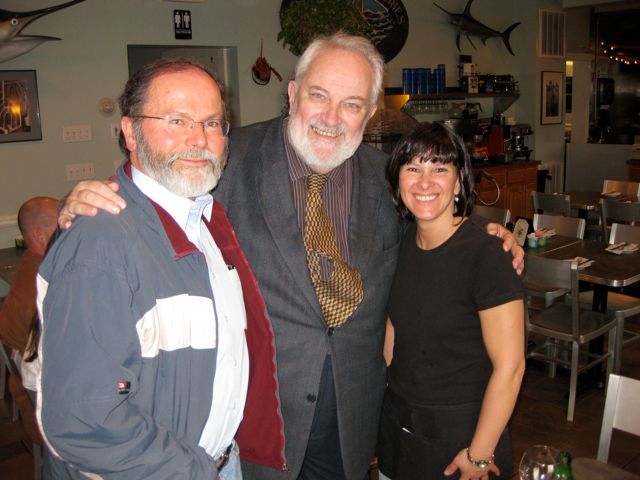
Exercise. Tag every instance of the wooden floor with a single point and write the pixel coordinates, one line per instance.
(539, 418)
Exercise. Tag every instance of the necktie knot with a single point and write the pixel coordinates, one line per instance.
(316, 182)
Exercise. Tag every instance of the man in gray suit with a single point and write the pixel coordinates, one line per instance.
(331, 379)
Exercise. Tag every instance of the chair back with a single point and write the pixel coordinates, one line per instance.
(620, 411)
(493, 214)
(626, 188)
(624, 233)
(558, 204)
(615, 211)
(560, 274)
(567, 226)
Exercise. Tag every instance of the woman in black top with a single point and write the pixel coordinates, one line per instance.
(455, 336)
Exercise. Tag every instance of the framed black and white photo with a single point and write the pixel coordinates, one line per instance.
(19, 108)
(551, 95)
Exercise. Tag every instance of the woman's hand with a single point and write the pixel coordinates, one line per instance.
(469, 471)
(87, 197)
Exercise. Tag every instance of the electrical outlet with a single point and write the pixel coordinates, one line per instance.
(80, 171)
(114, 128)
(76, 133)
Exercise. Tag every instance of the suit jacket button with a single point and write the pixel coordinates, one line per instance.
(311, 398)
(330, 331)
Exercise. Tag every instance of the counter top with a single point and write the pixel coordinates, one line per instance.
(515, 164)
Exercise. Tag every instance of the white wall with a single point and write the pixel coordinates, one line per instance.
(589, 164)
(91, 62)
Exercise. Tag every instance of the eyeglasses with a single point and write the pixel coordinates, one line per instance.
(176, 123)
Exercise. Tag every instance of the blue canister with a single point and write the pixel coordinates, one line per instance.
(428, 84)
(440, 78)
(422, 81)
(406, 81)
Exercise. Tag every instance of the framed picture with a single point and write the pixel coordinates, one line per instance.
(19, 108)
(551, 95)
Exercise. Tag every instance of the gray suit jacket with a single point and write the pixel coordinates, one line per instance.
(256, 191)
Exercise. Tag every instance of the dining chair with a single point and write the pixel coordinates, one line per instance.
(565, 226)
(620, 412)
(621, 305)
(566, 326)
(23, 402)
(551, 203)
(624, 187)
(493, 214)
(612, 210)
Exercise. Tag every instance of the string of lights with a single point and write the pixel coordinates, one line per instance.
(618, 54)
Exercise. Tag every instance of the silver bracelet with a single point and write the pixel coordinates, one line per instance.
(479, 463)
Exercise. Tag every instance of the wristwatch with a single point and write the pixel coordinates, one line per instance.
(479, 463)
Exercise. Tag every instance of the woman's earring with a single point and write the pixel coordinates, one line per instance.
(456, 198)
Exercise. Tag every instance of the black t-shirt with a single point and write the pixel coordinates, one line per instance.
(439, 356)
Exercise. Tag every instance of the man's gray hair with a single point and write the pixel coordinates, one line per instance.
(343, 41)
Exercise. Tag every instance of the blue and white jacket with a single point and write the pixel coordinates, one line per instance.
(129, 347)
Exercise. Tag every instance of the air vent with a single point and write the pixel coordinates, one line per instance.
(551, 42)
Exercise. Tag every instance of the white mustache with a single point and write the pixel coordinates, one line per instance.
(193, 154)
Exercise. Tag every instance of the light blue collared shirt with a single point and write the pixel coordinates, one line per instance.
(232, 363)
(186, 212)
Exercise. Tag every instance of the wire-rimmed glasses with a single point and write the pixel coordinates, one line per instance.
(178, 123)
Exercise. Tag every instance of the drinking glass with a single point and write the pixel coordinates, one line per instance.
(539, 463)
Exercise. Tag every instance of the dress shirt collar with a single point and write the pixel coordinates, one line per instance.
(185, 211)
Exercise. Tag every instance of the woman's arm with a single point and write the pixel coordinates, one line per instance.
(503, 335)
(389, 337)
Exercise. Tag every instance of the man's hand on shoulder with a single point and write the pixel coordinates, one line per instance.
(87, 197)
(509, 244)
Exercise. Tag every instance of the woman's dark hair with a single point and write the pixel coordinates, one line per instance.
(432, 142)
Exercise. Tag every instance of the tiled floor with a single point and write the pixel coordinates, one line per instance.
(540, 418)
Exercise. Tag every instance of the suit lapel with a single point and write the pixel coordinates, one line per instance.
(276, 203)
(365, 202)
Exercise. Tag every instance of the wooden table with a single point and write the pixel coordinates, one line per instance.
(9, 260)
(553, 243)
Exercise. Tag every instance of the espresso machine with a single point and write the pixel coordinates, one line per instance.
(519, 136)
(499, 144)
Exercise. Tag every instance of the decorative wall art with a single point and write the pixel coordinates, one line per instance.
(551, 107)
(467, 26)
(385, 22)
(19, 109)
(12, 44)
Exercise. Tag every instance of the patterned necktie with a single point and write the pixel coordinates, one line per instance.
(341, 292)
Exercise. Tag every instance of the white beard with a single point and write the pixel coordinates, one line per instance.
(199, 181)
(303, 146)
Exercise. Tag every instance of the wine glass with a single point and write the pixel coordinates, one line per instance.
(539, 463)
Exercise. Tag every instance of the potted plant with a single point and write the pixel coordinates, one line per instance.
(302, 20)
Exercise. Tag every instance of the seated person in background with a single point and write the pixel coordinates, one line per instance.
(37, 222)
(18, 316)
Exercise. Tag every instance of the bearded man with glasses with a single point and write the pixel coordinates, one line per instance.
(150, 318)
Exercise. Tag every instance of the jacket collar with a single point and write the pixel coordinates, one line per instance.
(176, 236)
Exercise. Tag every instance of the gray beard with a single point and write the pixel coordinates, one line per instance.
(162, 170)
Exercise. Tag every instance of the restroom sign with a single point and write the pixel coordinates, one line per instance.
(182, 24)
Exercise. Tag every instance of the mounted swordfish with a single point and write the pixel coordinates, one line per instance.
(12, 44)
(468, 25)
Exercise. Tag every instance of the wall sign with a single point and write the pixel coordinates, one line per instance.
(182, 24)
